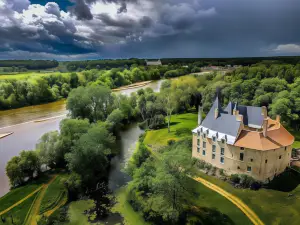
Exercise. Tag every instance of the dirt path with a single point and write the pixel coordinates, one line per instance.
(35, 209)
(62, 202)
(236, 201)
(22, 200)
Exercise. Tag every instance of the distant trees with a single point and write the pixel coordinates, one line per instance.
(29, 64)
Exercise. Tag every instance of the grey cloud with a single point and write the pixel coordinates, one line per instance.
(52, 8)
(81, 10)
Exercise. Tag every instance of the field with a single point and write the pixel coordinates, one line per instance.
(42, 196)
(76, 212)
(18, 214)
(160, 137)
(19, 193)
(54, 194)
(25, 75)
(124, 208)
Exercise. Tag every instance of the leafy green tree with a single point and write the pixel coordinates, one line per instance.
(14, 171)
(89, 157)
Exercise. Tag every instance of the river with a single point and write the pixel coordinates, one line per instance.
(27, 131)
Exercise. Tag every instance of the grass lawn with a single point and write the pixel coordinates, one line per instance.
(124, 208)
(212, 200)
(25, 75)
(76, 212)
(18, 213)
(272, 206)
(160, 137)
(54, 193)
(17, 194)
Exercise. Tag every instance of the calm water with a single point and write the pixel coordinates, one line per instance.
(27, 132)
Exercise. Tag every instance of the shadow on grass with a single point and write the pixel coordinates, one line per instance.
(286, 182)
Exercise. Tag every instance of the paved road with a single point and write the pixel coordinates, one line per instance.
(236, 201)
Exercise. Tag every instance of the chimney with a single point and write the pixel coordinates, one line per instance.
(216, 113)
(239, 117)
(278, 118)
(199, 115)
(235, 109)
(265, 127)
(264, 112)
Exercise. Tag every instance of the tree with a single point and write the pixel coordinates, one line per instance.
(49, 148)
(14, 171)
(169, 103)
(30, 163)
(89, 158)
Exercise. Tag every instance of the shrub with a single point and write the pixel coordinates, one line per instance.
(235, 178)
(222, 172)
(171, 142)
(143, 125)
(246, 181)
(182, 131)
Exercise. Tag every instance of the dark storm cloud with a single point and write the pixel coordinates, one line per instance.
(167, 28)
(82, 11)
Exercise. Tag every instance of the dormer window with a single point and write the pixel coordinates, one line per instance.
(204, 135)
(214, 138)
(223, 141)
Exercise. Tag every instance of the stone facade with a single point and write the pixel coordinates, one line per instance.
(261, 165)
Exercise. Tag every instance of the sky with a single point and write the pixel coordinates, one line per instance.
(96, 29)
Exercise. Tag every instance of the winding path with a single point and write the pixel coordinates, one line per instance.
(236, 201)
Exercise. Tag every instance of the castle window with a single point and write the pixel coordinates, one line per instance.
(198, 132)
(222, 151)
(249, 168)
(213, 156)
(198, 141)
(266, 161)
(251, 160)
(214, 138)
(242, 148)
(204, 144)
(280, 157)
(198, 149)
(204, 135)
(222, 160)
(214, 148)
(223, 141)
(242, 156)
(203, 152)
(238, 168)
(285, 149)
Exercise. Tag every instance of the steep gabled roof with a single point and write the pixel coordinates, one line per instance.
(252, 115)
(224, 123)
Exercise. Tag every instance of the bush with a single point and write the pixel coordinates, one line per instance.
(182, 131)
(171, 142)
(143, 125)
(235, 178)
(222, 172)
(246, 181)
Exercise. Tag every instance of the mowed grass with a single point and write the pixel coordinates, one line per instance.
(161, 137)
(54, 194)
(272, 206)
(76, 212)
(19, 213)
(26, 75)
(125, 209)
(19, 193)
(205, 197)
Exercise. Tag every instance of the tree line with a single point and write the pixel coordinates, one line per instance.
(51, 87)
(276, 86)
(29, 64)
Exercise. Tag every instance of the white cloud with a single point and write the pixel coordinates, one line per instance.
(287, 48)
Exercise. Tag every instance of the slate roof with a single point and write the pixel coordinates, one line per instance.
(225, 123)
(252, 115)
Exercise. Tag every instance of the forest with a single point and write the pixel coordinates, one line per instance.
(15, 93)
(29, 64)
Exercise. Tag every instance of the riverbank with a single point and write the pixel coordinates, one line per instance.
(5, 134)
(131, 86)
